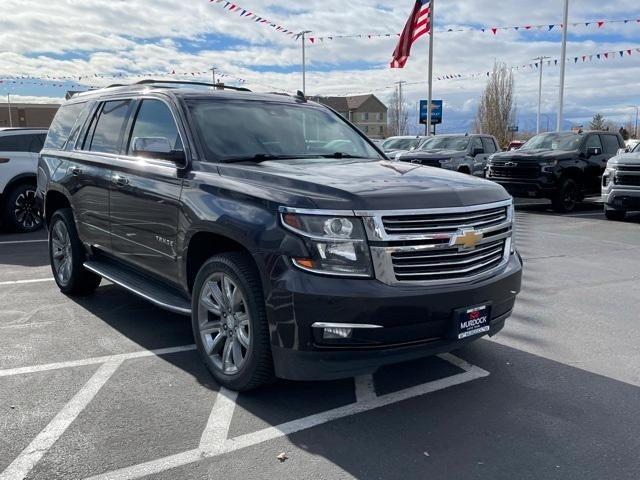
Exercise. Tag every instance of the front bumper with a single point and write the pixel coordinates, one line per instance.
(542, 187)
(621, 197)
(416, 321)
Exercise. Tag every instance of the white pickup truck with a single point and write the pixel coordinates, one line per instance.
(621, 184)
(19, 149)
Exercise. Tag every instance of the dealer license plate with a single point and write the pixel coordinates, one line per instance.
(473, 321)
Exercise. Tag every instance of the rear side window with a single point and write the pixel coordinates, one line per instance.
(15, 143)
(155, 120)
(594, 142)
(62, 124)
(108, 131)
(37, 142)
(611, 144)
(489, 145)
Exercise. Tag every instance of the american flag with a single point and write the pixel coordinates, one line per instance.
(417, 26)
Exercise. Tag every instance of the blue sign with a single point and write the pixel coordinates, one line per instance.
(436, 112)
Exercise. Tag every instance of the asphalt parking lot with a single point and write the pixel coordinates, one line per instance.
(110, 387)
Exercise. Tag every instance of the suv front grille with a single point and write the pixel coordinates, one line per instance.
(445, 222)
(447, 263)
(440, 246)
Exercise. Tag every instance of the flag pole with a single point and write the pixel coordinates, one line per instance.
(563, 65)
(430, 100)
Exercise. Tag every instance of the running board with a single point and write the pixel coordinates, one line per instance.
(154, 292)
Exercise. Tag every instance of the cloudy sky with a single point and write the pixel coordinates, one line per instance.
(82, 38)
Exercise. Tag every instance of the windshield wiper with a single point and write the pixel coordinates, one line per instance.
(263, 157)
(341, 155)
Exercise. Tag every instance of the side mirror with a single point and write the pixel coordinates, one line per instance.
(622, 151)
(593, 151)
(477, 151)
(156, 147)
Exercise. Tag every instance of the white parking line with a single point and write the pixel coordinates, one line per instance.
(364, 387)
(95, 360)
(471, 372)
(23, 464)
(20, 282)
(217, 429)
(17, 242)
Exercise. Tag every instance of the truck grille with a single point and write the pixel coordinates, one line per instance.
(529, 171)
(448, 263)
(629, 168)
(444, 222)
(631, 180)
(440, 246)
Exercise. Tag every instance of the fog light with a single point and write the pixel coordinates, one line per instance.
(335, 333)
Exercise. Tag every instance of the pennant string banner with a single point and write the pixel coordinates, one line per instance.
(254, 17)
(597, 24)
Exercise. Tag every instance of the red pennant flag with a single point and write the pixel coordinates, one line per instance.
(494, 30)
(312, 39)
(606, 55)
(629, 52)
(600, 24)
(528, 27)
(233, 7)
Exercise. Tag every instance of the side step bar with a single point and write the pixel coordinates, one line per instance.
(151, 291)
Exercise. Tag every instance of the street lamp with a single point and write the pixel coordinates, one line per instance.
(302, 35)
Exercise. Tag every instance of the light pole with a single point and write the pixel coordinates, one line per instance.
(563, 65)
(540, 64)
(430, 99)
(635, 133)
(9, 103)
(213, 74)
(303, 35)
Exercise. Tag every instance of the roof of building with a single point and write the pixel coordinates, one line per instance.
(345, 104)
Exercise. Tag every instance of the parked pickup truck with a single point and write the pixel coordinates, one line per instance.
(564, 167)
(293, 260)
(460, 153)
(621, 184)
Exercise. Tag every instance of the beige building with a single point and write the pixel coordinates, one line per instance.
(367, 112)
(28, 114)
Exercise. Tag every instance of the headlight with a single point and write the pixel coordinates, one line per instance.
(446, 161)
(548, 166)
(337, 245)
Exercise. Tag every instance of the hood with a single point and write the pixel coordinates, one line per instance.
(435, 154)
(632, 158)
(534, 156)
(365, 184)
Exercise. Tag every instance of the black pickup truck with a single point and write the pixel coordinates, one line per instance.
(297, 249)
(563, 167)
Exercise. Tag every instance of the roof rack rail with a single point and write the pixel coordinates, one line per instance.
(186, 82)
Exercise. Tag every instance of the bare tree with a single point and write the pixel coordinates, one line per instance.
(398, 114)
(497, 109)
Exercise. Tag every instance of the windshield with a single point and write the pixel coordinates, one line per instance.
(249, 130)
(637, 149)
(554, 141)
(400, 143)
(446, 143)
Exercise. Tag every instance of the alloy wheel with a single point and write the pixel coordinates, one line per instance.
(26, 212)
(61, 253)
(223, 321)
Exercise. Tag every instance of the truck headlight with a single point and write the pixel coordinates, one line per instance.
(337, 245)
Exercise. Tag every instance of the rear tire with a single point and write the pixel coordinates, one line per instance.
(566, 198)
(67, 256)
(21, 212)
(229, 322)
(616, 215)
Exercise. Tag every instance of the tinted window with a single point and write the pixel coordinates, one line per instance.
(443, 142)
(476, 143)
(37, 142)
(401, 143)
(154, 119)
(611, 144)
(62, 125)
(489, 145)
(235, 130)
(107, 136)
(594, 142)
(15, 143)
(554, 141)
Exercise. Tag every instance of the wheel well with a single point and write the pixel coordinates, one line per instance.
(204, 245)
(464, 169)
(54, 201)
(21, 180)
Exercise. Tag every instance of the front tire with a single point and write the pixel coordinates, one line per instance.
(21, 212)
(616, 215)
(566, 198)
(67, 256)
(229, 322)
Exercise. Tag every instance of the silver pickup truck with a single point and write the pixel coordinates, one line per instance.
(621, 184)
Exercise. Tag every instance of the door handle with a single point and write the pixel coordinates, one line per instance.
(75, 171)
(120, 181)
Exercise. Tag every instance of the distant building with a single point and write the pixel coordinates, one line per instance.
(367, 112)
(38, 115)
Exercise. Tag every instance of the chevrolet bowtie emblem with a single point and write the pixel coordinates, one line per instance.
(466, 239)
